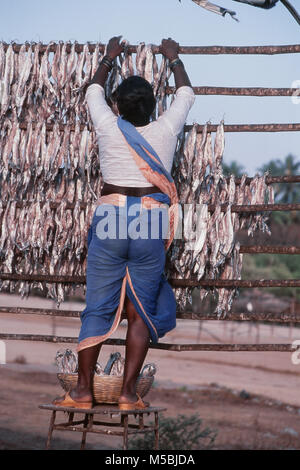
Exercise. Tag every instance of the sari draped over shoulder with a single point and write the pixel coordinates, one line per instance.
(153, 170)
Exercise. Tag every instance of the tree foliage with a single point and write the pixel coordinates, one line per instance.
(284, 193)
(233, 168)
(277, 266)
(273, 266)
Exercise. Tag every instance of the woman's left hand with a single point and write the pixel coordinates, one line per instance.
(114, 47)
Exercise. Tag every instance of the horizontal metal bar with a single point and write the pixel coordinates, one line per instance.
(166, 346)
(272, 179)
(43, 277)
(219, 283)
(240, 91)
(205, 50)
(283, 250)
(242, 316)
(230, 316)
(248, 208)
(268, 127)
(230, 283)
(41, 311)
(257, 207)
(226, 347)
(53, 205)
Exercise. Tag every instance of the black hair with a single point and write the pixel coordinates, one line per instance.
(135, 100)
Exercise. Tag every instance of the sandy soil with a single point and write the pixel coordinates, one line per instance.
(250, 398)
(242, 421)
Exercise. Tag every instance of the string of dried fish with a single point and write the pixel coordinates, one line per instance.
(40, 165)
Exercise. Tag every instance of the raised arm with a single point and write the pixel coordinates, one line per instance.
(114, 48)
(170, 50)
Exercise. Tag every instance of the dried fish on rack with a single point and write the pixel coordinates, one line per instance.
(8, 76)
(215, 253)
(42, 164)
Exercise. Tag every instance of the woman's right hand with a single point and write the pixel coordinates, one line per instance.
(114, 47)
(169, 48)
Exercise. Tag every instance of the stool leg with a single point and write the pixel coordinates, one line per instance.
(125, 434)
(85, 428)
(156, 432)
(141, 421)
(52, 420)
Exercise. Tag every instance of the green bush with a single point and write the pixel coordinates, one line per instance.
(180, 433)
(273, 266)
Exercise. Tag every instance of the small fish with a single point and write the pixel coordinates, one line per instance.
(215, 8)
(148, 74)
(24, 73)
(7, 79)
(140, 59)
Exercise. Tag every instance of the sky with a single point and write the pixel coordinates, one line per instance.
(190, 25)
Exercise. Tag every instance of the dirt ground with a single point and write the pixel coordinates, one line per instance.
(251, 399)
(242, 420)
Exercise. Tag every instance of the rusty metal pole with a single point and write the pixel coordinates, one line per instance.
(247, 208)
(230, 283)
(268, 127)
(239, 91)
(205, 50)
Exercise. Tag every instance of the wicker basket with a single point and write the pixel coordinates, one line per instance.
(107, 389)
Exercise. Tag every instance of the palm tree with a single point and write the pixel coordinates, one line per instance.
(285, 193)
(233, 168)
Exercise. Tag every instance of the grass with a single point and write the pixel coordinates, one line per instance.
(179, 433)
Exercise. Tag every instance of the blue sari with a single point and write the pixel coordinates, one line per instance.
(127, 243)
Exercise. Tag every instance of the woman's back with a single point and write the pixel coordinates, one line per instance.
(117, 164)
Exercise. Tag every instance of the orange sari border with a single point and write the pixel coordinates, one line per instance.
(94, 340)
(115, 199)
(148, 202)
(138, 300)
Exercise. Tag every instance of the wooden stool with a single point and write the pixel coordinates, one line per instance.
(87, 424)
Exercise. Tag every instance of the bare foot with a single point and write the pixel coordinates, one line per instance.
(128, 398)
(81, 395)
(78, 395)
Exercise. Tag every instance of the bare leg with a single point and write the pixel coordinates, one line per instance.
(87, 359)
(137, 344)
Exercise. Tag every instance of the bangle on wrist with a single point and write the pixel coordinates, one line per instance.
(175, 62)
(107, 57)
(107, 61)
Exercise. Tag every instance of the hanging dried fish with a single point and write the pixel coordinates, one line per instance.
(7, 80)
(55, 159)
(23, 74)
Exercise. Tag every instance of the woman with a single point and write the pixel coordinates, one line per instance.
(126, 259)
